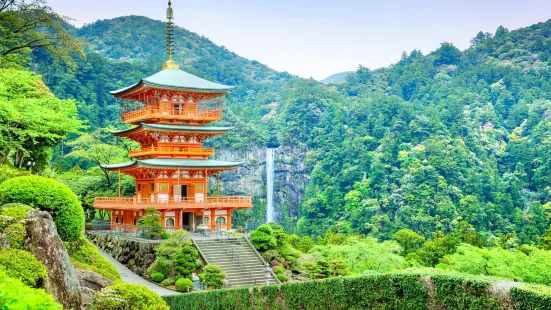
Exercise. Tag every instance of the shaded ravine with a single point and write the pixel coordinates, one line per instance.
(128, 276)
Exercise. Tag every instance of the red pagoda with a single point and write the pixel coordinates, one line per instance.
(169, 111)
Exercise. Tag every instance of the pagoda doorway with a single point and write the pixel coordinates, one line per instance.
(187, 221)
(180, 192)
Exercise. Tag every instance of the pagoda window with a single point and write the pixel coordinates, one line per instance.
(205, 220)
(139, 187)
(163, 187)
(220, 220)
(169, 222)
(152, 187)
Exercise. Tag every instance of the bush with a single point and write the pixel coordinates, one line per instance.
(157, 277)
(16, 234)
(279, 269)
(128, 296)
(15, 295)
(150, 224)
(12, 213)
(281, 277)
(263, 238)
(166, 282)
(161, 265)
(90, 258)
(184, 285)
(48, 195)
(305, 244)
(24, 266)
(213, 276)
(375, 291)
(186, 261)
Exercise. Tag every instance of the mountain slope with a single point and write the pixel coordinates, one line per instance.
(337, 78)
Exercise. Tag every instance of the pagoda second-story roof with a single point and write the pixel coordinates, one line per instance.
(175, 163)
(173, 128)
(175, 79)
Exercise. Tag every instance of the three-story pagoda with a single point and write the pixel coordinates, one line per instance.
(169, 111)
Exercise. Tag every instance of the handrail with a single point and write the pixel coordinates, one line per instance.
(262, 259)
(133, 202)
(239, 256)
(172, 150)
(158, 112)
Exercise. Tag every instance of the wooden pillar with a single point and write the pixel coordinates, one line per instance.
(212, 215)
(228, 219)
(119, 182)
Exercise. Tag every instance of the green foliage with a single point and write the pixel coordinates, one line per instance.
(24, 266)
(173, 246)
(17, 211)
(534, 267)
(16, 295)
(161, 265)
(186, 261)
(409, 239)
(337, 267)
(16, 234)
(544, 240)
(48, 195)
(213, 276)
(88, 257)
(157, 277)
(128, 296)
(184, 285)
(278, 269)
(281, 277)
(361, 254)
(531, 297)
(150, 224)
(167, 282)
(263, 238)
(32, 119)
(306, 244)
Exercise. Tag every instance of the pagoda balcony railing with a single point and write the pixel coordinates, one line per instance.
(199, 115)
(172, 151)
(131, 203)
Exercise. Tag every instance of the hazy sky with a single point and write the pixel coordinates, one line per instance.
(318, 38)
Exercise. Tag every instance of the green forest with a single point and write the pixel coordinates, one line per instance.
(439, 160)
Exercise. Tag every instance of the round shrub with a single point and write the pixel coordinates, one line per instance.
(263, 238)
(166, 282)
(161, 265)
(281, 277)
(47, 195)
(157, 277)
(213, 276)
(184, 284)
(16, 235)
(279, 269)
(16, 295)
(128, 296)
(23, 265)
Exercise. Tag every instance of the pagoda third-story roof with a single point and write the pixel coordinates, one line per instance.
(176, 79)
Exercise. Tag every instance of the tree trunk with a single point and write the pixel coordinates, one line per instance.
(5, 156)
(106, 176)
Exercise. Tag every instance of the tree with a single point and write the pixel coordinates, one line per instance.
(32, 119)
(409, 240)
(447, 54)
(28, 25)
(99, 148)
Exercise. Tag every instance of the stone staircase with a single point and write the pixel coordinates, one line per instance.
(239, 260)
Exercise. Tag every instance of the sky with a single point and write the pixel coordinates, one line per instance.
(319, 38)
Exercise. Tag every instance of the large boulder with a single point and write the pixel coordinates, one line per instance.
(44, 243)
(92, 280)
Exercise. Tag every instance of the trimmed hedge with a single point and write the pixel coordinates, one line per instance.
(47, 195)
(377, 291)
(532, 297)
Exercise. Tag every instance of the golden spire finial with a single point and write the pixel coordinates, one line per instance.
(170, 39)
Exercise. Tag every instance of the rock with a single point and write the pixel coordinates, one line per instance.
(4, 242)
(92, 280)
(87, 295)
(44, 243)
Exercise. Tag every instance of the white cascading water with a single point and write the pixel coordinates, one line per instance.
(270, 185)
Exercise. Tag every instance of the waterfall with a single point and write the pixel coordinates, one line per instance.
(270, 185)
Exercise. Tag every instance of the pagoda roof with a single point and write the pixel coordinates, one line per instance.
(176, 79)
(174, 128)
(175, 163)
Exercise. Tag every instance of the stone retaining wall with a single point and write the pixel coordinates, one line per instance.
(135, 254)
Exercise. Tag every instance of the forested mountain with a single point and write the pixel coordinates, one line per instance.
(426, 143)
